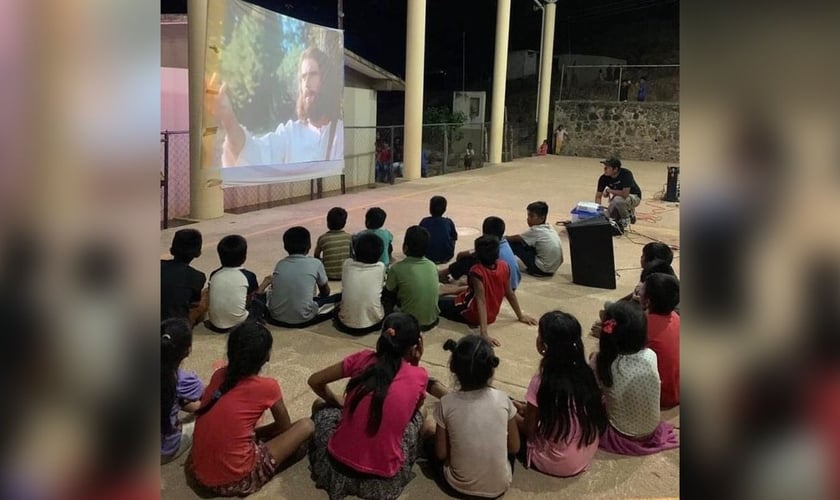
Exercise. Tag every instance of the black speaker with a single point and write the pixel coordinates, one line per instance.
(672, 188)
(591, 252)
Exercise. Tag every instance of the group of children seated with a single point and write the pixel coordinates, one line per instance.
(364, 441)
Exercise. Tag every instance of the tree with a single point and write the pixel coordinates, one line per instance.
(249, 64)
(442, 115)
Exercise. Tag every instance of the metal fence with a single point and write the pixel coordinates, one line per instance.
(444, 146)
(661, 82)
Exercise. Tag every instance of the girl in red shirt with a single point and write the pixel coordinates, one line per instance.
(660, 294)
(231, 456)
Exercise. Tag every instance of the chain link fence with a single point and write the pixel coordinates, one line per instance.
(175, 175)
(618, 83)
(444, 147)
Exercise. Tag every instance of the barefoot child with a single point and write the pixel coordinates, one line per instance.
(476, 425)
(180, 389)
(231, 456)
(366, 440)
(564, 413)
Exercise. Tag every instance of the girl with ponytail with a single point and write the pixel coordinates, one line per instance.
(563, 413)
(476, 433)
(367, 439)
(627, 372)
(231, 456)
(180, 390)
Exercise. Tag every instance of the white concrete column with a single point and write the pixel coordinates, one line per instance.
(547, 54)
(497, 111)
(206, 199)
(414, 54)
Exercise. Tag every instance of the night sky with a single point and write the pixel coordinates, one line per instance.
(640, 31)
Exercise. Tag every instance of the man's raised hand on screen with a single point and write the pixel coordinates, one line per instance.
(235, 136)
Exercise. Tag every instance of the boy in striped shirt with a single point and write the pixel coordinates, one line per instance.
(333, 247)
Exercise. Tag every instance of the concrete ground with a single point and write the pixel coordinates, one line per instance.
(502, 190)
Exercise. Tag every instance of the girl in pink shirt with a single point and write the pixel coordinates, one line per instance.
(367, 440)
(564, 413)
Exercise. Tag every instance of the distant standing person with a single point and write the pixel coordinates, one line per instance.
(560, 135)
(624, 90)
(398, 156)
(469, 154)
(641, 95)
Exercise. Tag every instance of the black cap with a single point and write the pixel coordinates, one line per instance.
(612, 162)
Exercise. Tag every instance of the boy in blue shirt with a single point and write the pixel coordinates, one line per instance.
(290, 301)
(442, 233)
(492, 226)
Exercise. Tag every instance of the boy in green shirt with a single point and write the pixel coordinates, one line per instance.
(412, 283)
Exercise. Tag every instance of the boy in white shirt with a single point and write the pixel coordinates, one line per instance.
(361, 311)
(538, 249)
(231, 286)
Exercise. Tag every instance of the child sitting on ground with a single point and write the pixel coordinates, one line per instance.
(361, 311)
(366, 440)
(290, 301)
(374, 220)
(476, 425)
(231, 287)
(180, 390)
(181, 294)
(538, 248)
(442, 233)
(231, 456)
(627, 374)
(492, 226)
(333, 247)
(412, 283)
(654, 260)
(656, 255)
(659, 295)
(563, 414)
(488, 282)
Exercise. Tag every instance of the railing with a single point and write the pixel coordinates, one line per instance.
(444, 147)
(642, 82)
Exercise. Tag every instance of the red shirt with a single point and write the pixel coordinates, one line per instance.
(224, 447)
(664, 340)
(495, 283)
(380, 454)
(385, 155)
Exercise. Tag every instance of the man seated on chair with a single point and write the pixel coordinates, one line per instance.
(620, 188)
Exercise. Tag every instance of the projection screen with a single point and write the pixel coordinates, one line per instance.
(273, 87)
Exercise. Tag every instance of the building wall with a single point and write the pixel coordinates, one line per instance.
(630, 130)
(359, 143)
(522, 63)
(461, 101)
(174, 99)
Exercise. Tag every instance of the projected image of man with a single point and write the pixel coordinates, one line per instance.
(316, 135)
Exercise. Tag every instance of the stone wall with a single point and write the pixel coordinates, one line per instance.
(629, 130)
